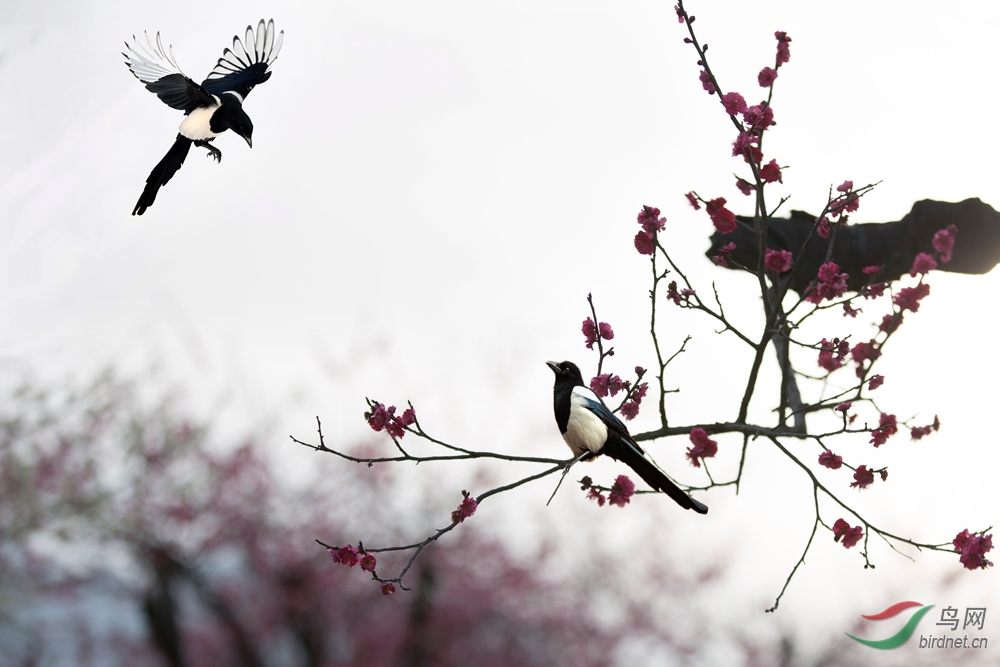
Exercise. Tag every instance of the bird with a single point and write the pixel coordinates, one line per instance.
(591, 429)
(211, 107)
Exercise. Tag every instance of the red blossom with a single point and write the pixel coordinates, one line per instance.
(846, 186)
(702, 447)
(651, 221)
(672, 292)
(863, 477)
(944, 242)
(383, 418)
(388, 588)
(368, 562)
(706, 82)
(863, 352)
(891, 322)
(843, 533)
(827, 360)
(345, 555)
(909, 297)
(466, 508)
(850, 311)
(843, 407)
(886, 427)
(831, 283)
(875, 382)
(759, 117)
(621, 491)
(594, 494)
(744, 186)
(874, 290)
(741, 144)
(973, 549)
(783, 55)
(766, 77)
(771, 172)
(693, 200)
(918, 432)
(922, 263)
(871, 270)
(644, 243)
(592, 331)
(734, 103)
(723, 219)
(408, 417)
(830, 460)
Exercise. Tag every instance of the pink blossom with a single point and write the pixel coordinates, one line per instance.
(922, 263)
(621, 491)
(944, 242)
(823, 227)
(843, 407)
(863, 352)
(875, 382)
(973, 549)
(368, 562)
(846, 186)
(830, 460)
(706, 82)
(630, 409)
(606, 383)
(589, 333)
(693, 200)
(783, 41)
(744, 186)
(594, 494)
(917, 432)
(871, 270)
(771, 172)
(851, 536)
(703, 446)
(672, 292)
(850, 311)
(465, 509)
(345, 556)
(863, 477)
(874, 290)
(778, 261)
(909, 297)
(388, 588)
(734, 103)
(766, 77)
(680, 14)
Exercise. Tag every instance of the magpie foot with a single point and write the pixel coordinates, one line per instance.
(213, 152)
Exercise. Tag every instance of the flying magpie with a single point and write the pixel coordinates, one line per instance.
(587, 425)
(211, 108)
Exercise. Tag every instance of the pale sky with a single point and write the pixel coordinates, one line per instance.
(433, 190)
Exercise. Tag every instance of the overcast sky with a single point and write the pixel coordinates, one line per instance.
(435, 187)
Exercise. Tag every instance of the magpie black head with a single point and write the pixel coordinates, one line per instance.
(242, 125)
(567, 373)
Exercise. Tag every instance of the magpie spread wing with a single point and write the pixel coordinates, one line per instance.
(157, 68)
(248, 63)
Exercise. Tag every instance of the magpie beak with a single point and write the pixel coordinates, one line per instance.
(587, 425)
(211, 107)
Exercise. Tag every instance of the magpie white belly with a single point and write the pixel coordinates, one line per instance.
(197, 124)
(585, 430)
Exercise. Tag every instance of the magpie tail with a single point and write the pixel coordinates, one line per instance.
(162, 173)
(633, 458)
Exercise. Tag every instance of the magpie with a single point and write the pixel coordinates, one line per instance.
(211, 108)
(587, 425)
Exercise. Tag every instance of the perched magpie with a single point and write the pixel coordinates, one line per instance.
(587, 425)
(210, 108)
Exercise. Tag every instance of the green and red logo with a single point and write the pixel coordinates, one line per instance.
(904, 633)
